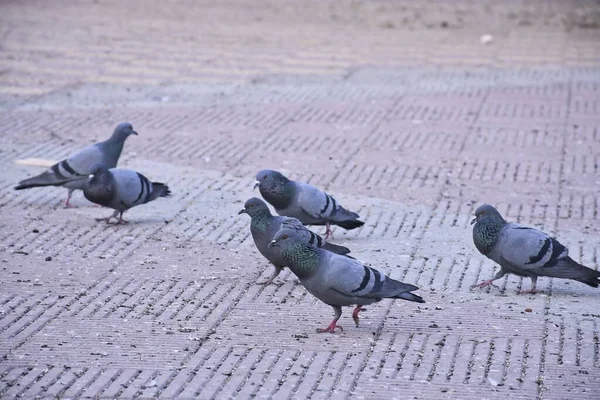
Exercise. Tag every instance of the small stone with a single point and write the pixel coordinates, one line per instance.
(528, 310)
(486, 39)
(48, 258)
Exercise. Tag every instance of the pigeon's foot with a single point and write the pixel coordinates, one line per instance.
(271, 280)
(533, 286)
(331, 328)
(69, 205)
(273, 276)
(355, 314)
(328, 232)
(107, 219)
(530, 291)
(121, 220)
(489, 282)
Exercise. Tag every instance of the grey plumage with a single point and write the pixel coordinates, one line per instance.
(305, 202)
(264, 226)
(72, 173)
(525, 251)
(337, 280)
(121, 189)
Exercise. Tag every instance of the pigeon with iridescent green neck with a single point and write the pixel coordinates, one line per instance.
(73, 172)
(337, 280)
(524, 251)
(305, 202)
(264, 226)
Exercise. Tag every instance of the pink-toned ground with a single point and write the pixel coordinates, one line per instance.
(397, 108)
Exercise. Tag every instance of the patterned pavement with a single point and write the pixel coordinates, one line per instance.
(395, 108)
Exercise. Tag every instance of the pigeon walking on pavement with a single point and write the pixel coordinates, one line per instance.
(121, 189)
(337, 280)
(524, 251)
(304, 202)
(264, 226)
(73, 172)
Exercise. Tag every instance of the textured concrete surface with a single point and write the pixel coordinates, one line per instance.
(398, 109)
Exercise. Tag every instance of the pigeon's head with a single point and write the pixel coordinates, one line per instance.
(123, 131)
(254, 206)
(486, 212)
(285, 238)
(269, 178)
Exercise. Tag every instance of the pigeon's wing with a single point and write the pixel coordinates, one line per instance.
(81, 163)
(303, 233)
(315, 202)
(528, 249)
(351, 278)
(308, 236)
(76, 167)
(133, 188)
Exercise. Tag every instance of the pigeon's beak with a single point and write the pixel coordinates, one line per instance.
(273, 243)
(242, 211)
(256, 184)
(135, 133)
(474, 220)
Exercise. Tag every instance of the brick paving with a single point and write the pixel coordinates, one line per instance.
(398, 109)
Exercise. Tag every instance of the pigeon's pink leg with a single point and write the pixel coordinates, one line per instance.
(532, 290)
(67, 204)
(355, 314)
(273, 276)
(121, 220)
(328, 231)
(489, 282)
(114, 215)
(332, 327)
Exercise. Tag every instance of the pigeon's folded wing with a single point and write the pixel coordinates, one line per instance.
(315, 202)
(527, 248)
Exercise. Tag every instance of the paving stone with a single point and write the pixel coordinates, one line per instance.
(395, 108)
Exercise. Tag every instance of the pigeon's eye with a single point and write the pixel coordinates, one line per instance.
(284, 237)
(251, 205)
(265, 177)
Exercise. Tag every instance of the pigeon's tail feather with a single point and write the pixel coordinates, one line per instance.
(349, 224)
(572, 269)
(337, 249)
(393, 289)
(44, 179)
(159, 189)
(410, 297)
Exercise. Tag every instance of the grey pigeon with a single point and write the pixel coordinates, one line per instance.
(305, 202)
(264, 226)
(524, 251)
(337, 280)
(121, 189)
(73, 172)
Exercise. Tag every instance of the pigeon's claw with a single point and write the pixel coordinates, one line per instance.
(331, 328)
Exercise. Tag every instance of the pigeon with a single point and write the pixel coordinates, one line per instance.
(264, 226)
(121, 189)
(73, 172)
(337, 280)
(305, 202)
(524, 251)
